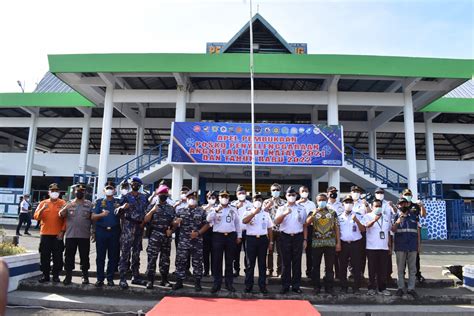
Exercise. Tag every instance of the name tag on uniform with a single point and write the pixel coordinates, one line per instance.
(382, 235)
(354, 228)
(228, 219)
(264, 225)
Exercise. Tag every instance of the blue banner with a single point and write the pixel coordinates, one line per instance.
(275, 144)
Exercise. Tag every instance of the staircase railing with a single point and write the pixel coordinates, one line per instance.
(375, 169)
(140, 163)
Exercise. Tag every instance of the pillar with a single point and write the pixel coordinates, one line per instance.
(372, 136)
(314, 114)
(105, 139)
(333, 119)
(195, 183)
(197, 113)
(409, 125)
(84, 144)
(430, 150)
(140, 133)
(30, 153)
(314, 187)
(177, 171)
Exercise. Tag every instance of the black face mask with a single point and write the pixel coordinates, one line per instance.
(333, 195)
(79, 195)
(404, 209)
(162, 198)
(135, 187)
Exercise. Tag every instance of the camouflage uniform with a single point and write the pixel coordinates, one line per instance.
(192, 219)
(159, 243)
(132, 232)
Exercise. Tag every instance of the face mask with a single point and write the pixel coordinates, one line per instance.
(322, 204)
(348, 207)
(109, 192)
(378, 211)
(275, 194)
(123, 191)
(408, 197)
(224, 201)
(379, 196)
(54, 195)
(135, 187)
(79, 195)
(333, 195)
(355, 195)
(257, 204)
(211, 201)
(404, 209)
(291, 199)
(304, 195)
(241, 197)
(183, 196)
(162, 198)
(191, 202)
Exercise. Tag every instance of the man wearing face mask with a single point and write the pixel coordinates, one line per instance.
(242, 205)
(361, 207)
(378, 226)
(107, 234)
(326, 241)
(179, 205)
(309, 206)
(153, 199)
(259, 225)
(226, 235)
(335, 205)
(418, 209)
(132, 212)
(52, 233)
(124, 188)
(77, 214)
(207, 236)
(273, 204)
(160, 216)
(292, 220)
(350, 227)
(193, 224)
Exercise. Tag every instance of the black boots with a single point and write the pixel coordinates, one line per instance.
(68, 279)
(137, 280)
(164, 280)
(197, 285)
(149, 284)
(85, 277)
(178, 285)
(44, 279)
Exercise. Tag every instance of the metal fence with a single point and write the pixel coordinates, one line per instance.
(460, 219)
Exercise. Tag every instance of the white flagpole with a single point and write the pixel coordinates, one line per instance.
(252, 105)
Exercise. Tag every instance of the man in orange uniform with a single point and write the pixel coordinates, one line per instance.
(52, 232)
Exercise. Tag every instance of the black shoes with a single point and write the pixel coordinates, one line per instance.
(420, 278)
(197, 285)
(44, 279)
(414, 294)
(123, 284)
(263, 290)
(399, 293)
(27, 233)
(297, 290)
(149, 284)
(215, 289)
(230, 288)
(284, 290)
(110, 283)
(68, 279)
(56, 278)
(164, 281)
(99, 283)
(178, 285)
(248, 290)
(138, 281)
(85, 278)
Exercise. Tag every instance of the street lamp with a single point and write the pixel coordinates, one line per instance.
(22, 86)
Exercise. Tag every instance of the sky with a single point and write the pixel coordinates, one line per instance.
(32, 29)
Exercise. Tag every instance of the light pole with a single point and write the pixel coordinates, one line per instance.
(252, 105)
(22, 86)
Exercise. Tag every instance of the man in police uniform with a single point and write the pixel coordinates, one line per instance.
(335, 205)
(242, 205)
(160, 217)
(361, 207)
(309, 207)
(259, 239)
(178, 205)
(226, 235)
(292, 220)
(193, 224)
(207, 236)
(107, 234)
(273, 204)
(132, 212)
(78, 233)
(350, 227)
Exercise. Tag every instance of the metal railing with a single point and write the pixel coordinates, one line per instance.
(140, 163)
(430, 189)
(460, 219)
(375, 169)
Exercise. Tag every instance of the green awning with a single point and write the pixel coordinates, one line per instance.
(451, 105)
(48, 99)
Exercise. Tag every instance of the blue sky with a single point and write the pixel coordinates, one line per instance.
(32, 29)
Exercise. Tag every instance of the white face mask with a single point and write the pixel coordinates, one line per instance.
(224, 201)
(241, 197)
(348, 207)
(291, 199)
(192, 202)
(257, 204)
(123, 191)
(408, 197)
(183, 196)
(379, 196)
(109, 192)
(54, 195)
(211, 201)
(304, 195)
(275, 194)
(355, 195)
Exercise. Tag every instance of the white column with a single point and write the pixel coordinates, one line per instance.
(84, 144)
(140, 133)
(195, 183)
(372, 135)
(430, 150)
(105, 139)
(333, 119)
(177, 171)
(30, 153)
(315, 186)
(410, 143)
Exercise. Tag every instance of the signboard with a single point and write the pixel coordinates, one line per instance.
(275, 144)
(9, 200)
(299, 48)
(214, 48)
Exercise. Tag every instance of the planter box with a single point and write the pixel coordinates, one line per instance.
(23, 266)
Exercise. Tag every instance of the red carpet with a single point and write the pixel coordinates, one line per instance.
(184, 306)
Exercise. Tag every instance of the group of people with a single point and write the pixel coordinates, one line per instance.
(349, 233)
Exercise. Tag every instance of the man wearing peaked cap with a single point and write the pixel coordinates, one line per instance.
(211, 198)
(273, 204)
(361, 207)
(178, 206)
(309, 206)
(242, 205)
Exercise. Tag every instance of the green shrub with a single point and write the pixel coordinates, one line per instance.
(8, 249)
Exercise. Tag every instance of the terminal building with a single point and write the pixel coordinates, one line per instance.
(407, 121)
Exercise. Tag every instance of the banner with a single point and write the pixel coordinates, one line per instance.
(275, 144)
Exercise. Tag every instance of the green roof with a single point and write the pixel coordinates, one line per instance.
(49, 100)
(451, 105)
(265, 64)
